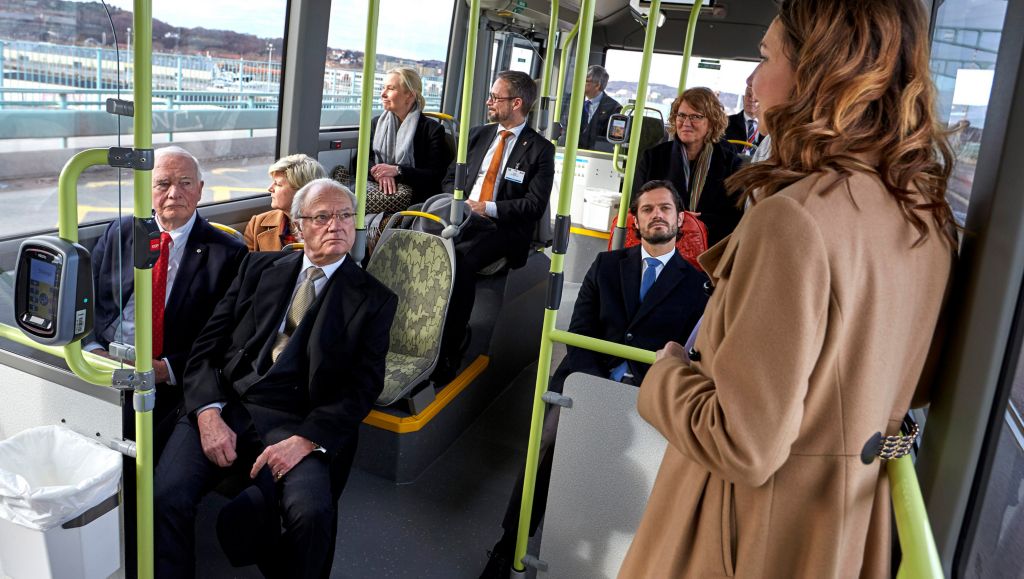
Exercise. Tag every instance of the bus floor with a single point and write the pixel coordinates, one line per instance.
(438, 526)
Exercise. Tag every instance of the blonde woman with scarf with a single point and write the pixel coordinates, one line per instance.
(697, 161)
(408, 148)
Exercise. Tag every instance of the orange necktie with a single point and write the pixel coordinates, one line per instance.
(487, 190)
(160, 293)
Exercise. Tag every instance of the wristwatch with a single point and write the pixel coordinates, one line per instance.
(317, 447)
(398, 170)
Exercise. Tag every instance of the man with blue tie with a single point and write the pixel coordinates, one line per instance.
(640, 296)
(597, 109)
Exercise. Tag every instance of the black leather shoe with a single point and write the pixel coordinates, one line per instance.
(499, 564)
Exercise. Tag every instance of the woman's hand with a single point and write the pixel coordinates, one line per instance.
(381, 170)
(388, 185)
(671, 349)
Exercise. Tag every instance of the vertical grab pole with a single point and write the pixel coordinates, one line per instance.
(143, 88)
(363, 150)
(585, 26)
(556, 116)
(619, 235)
(549, 64)
(466, 109)
(691, 29)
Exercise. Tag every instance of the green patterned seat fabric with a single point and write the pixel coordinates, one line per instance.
(418, 268)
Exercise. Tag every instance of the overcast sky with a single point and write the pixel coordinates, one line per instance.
(415, 29)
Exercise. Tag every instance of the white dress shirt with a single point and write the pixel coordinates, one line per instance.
(594, 102)
(664, 259)
(491, 208)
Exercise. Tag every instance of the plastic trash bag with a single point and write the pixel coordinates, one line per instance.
(50, 475)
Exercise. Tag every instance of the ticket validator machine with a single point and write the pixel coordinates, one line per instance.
(53, 290)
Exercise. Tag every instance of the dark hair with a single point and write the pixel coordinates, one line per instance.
(520, 86)
(634, 203)
(864, 104)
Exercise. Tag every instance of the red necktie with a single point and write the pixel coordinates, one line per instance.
(160, 293)
(487, 190)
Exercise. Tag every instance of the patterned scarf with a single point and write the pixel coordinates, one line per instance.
(692, 179)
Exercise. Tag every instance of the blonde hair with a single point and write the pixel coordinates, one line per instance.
(298, 169)
(411, 82)
(704, 101)
(864, 104)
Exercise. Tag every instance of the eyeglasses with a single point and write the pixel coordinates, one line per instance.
(322, 219)
(694, 118)
(494, 97)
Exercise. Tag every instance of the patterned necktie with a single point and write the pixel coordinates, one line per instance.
(650, 274)
(487, 190)
(160, 293)
(751, 133)
(586, 112)
(303, 299)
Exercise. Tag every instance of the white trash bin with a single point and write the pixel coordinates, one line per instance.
(600, 206)
(59, 506)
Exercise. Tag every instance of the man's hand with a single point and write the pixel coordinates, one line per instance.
(672, 349)
(217, 437)
(478, 207)
(283, 456)
(161, 375)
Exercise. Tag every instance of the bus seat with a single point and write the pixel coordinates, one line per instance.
(451, 129)
(229, 230)
(652, 132)
(419, 268)
(692, 241)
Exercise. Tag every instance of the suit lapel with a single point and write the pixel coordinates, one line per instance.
(475, 159)
(668, 279)
(629, 276)
(192, 260)
(273, 294)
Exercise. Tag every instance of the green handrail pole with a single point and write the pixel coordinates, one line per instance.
(619, 235)
(691, 29)
(556, 116)
(363, 150)
(920, 556)
(585, 26)
(143, 89)
(466, 107)
(549, 64)
(67, 228)
(98, 363)
(603, 346)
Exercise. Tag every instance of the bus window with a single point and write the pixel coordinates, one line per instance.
(409, 33)
(216, 79)
(963, 62)
(726, 77)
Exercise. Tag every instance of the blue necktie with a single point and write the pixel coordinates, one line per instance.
(586, 112)
(646, 282)
(650, 275)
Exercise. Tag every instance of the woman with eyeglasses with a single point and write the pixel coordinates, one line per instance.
(697, 161)
(822, 327)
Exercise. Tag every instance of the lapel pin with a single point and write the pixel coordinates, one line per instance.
(199, 250)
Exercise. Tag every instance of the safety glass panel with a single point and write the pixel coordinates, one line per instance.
(965, 46)
(410, 33)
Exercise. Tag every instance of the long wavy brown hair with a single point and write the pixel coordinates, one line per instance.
(863, 101)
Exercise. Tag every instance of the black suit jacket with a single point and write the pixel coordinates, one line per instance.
(737, 131)
(431, 154)
(207, 268)
(328, 377)
(592, 134)
(520, 205)
(609, 307)
(718, 209)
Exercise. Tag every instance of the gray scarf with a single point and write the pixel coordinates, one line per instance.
(392, 143)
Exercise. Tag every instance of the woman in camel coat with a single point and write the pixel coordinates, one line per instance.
(826, 299)
(272, 230)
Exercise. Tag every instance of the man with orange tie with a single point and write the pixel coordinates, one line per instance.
(197, 264)
(510, 169)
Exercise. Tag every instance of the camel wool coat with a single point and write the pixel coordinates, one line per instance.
(263, 232)
(815, 339)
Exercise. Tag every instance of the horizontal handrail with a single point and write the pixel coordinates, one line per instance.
(603, 346)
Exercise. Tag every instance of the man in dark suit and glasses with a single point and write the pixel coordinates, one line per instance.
(597, 109)
(639, 296)
(277, 385)
(510, 169)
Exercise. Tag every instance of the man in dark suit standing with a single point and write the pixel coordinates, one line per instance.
(277, 385)
(640, 296)
(597, 109)
(196, 266)
(743, 126)
(510, 169)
